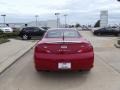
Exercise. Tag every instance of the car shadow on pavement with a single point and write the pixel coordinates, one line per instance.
(64, 74)
(106, 36)
(64, 79)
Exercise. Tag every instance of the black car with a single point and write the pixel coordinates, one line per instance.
(107, 31)
(45, 28)
(27, 32)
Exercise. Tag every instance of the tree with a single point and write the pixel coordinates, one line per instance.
(97, 24)
(71, 26)
(77, 25)
(26, 25)
(7, 25)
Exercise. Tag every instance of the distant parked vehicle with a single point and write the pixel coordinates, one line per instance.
(28, 32)
(79, 28)
(6, 29)
(15, 29)
(1, 32)
(86, 28)
(107, 31)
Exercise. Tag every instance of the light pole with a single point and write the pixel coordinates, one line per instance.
(58, 19)
(65, 15)
(36, 17)
(3, 15)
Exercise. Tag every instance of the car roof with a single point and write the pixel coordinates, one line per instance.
(30, 27)
(62, 29)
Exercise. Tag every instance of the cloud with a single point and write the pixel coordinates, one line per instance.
(85, 12)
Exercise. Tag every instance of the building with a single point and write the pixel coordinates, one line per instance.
(47, 23)
(104, 18)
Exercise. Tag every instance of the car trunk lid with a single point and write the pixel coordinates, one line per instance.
(66, 46)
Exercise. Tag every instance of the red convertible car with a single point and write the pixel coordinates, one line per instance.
(63, 49)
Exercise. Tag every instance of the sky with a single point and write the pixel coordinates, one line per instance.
(78, 11)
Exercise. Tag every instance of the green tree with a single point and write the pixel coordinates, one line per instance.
(97, 24)
(77, 25)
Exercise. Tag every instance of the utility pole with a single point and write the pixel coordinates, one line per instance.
(65, 15)
(58, 19)
(4, 15)
(36, 17)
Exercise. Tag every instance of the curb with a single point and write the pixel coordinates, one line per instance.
(9, 62)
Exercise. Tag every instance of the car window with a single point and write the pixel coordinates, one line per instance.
(28, 29)
(59, 34)
(109, 28)
(36, 29)
(31, 28)
(54, 34)
(70, 34)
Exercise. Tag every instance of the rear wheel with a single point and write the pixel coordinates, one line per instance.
(37, 70)
(26, 37)
(98, 34)
(118, 34)
(88, 70)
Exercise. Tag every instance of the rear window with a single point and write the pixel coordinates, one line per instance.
(60, 34)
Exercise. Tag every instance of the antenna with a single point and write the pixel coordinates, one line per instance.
(63, 36)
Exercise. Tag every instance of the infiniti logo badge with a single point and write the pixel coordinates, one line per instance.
(63, 46)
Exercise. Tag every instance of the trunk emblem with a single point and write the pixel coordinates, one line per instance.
(45, 47)
(63, 46)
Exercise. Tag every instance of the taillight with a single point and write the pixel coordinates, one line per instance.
(85, 48)
(42, 48)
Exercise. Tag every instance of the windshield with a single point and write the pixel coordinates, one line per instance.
(59, 34)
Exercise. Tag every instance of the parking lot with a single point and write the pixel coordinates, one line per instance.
(104, 76)
(105, 49)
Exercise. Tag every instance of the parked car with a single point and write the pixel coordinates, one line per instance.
(15, 29)
(6, 29)
(28, 32)
(115, 27)
(107, 31)
(1, 32)
(85, 28)
(63, 49)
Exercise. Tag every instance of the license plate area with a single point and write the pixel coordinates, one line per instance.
(64, 65)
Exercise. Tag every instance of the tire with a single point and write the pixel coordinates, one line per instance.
(25, 37)
(29, 38)
(37, 70)
(118, 34)
(88, 70)
(99, 34)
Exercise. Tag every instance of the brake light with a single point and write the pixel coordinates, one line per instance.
(42, 48)
(85, 48)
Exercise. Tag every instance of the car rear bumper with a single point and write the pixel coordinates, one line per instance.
(50, 61)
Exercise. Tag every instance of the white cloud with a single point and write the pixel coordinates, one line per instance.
(79, 10)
